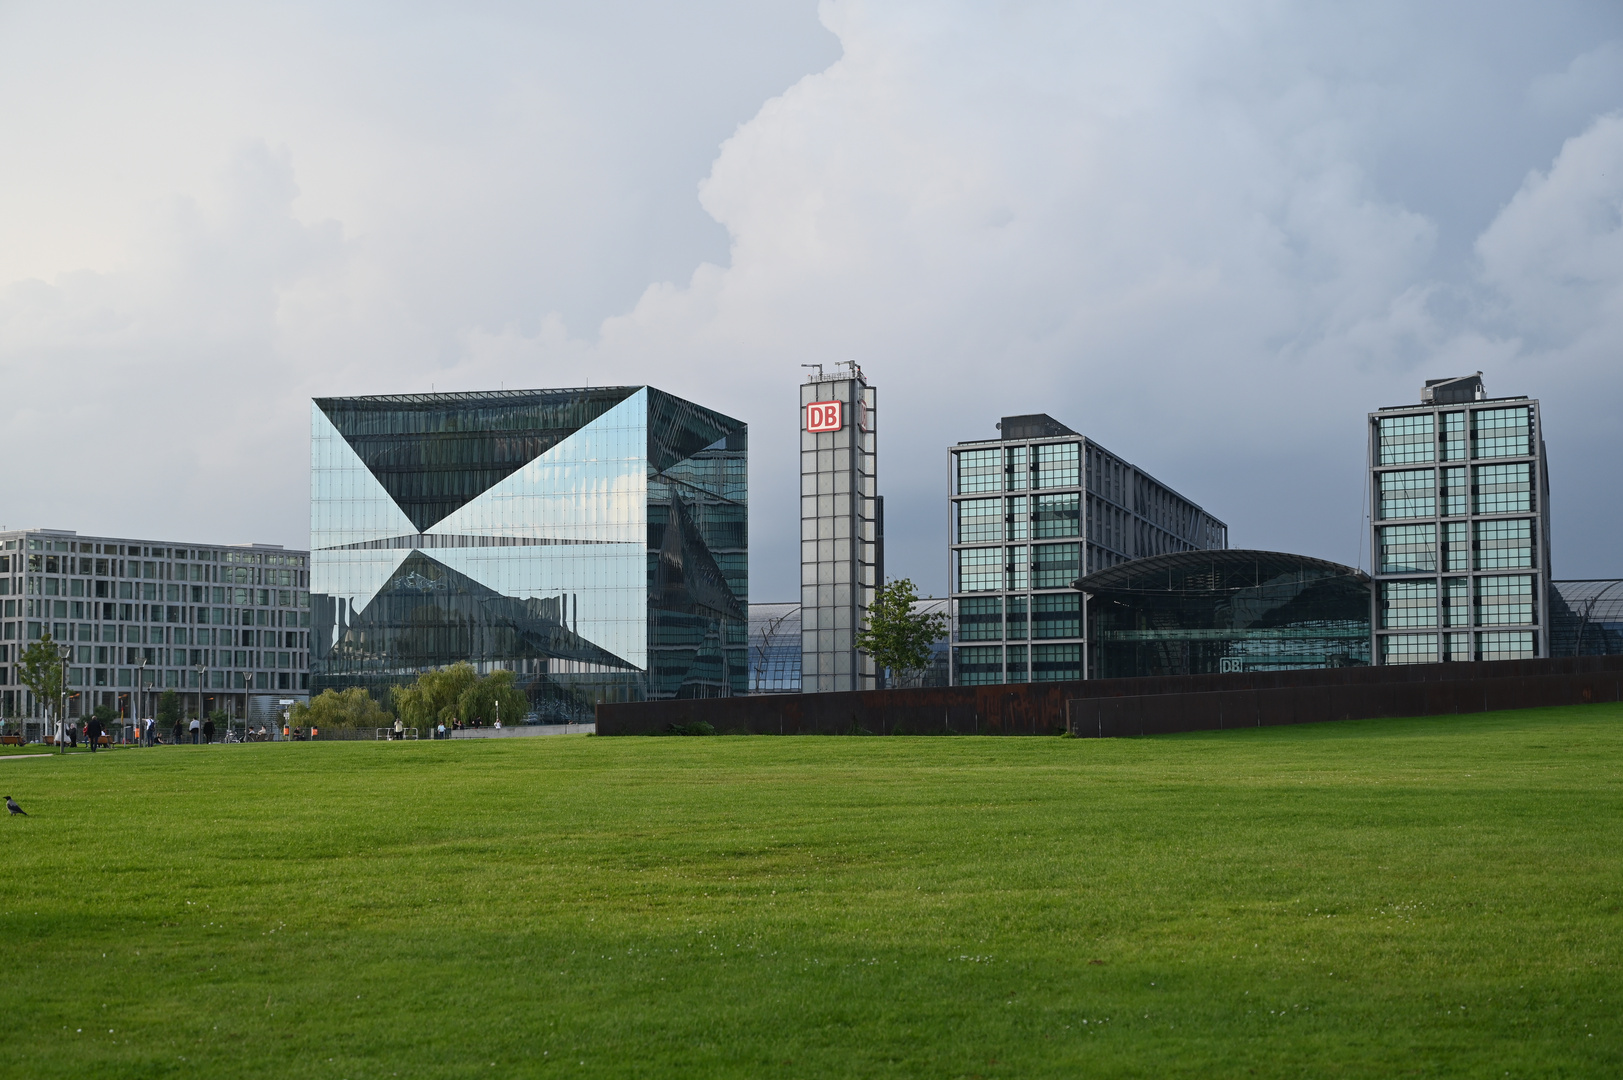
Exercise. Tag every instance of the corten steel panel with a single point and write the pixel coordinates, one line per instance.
(1142, 704)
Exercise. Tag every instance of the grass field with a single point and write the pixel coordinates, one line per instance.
(1433, 897)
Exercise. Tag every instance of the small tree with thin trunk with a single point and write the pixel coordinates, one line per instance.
(897, 637)
(40, 669)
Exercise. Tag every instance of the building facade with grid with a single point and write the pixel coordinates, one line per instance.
(225, 626)
(1030, 513)
(1460, 527)
(842, 548)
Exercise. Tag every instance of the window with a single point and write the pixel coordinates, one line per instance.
(1015, 621)
(1059, 465)
(1019, 468)
(1019, 523)
(1409, 649)
(978, 665)
(1456, 546)
(1503, 489)
(1456, 603)
(1504, 601)
(1056, 565)
(1053, 663)
(1408, 549)
(980, 521)
(1058, 515)
(1017, 663)
(1506, 645)
(1408, 603)
(1455, 495)
(1504, 545)
(1453, 436)
(1407, 494)
(1056, 615)
(1502, 432)
(1017, 569)
(978, 470)
(980, 619)
(980, 569)
(1405, 440)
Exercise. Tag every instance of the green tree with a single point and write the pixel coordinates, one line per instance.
(40, 669)
(898, 638)
(169, 714)
(433, 698)
(492, 698)
(335, 709)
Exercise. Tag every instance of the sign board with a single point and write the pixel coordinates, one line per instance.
(825, 416)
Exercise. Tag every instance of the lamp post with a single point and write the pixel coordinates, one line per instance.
(201, 671)
(247, 682)
(141, 693)
(65, 652)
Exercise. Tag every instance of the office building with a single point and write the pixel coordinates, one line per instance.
(1209, 612)
(228, 624)
(593, 541)
(841, 528)
(1460, 527)
(1031, 512)
(1586, 617)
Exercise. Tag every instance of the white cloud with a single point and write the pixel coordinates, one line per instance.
(1212, 236)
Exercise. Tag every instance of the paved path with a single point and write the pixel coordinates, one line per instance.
(525, 730)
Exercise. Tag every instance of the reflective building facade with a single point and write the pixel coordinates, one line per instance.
(1461, 527)
(775, 649)
(594, 541)
(1209, 612)
(1586, 617)
(1031, 512)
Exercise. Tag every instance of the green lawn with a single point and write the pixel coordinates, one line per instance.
(1434, 897)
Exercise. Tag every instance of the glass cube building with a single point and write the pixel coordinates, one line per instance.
(1030, 513)
(593, 541)
(1461, 527)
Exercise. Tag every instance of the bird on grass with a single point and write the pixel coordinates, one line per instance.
(11, 804)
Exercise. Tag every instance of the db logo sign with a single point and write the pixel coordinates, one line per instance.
(825, 416)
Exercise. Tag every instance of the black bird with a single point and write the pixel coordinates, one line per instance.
(11, 804)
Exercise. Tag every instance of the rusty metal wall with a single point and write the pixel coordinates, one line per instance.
(1107, 707)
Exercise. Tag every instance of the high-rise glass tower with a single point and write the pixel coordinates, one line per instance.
(1460, 527)
(593, 541)
(1030, 513)
(841, 528)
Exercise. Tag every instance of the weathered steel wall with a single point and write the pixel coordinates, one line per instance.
(1105, 707)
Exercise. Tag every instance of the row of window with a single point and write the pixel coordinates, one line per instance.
(1417, 437)
(86, 547)
(135, 569)
(983, 665)
(1483, 645)
(154, 635)
(153, 591)
(1494, 489)
(153, 613)
(996, 569)
(1475, 545)
(1507, 600)
(291, 671)
(995, 618)
(1017, 468)
(1018, 518)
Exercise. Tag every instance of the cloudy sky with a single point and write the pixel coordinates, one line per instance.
(1211, 235)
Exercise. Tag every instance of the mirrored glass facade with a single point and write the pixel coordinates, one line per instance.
(1030, 513)
(593, 541)
(1462, 551)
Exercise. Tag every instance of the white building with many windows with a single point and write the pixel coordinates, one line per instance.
(227, 627)
(1460, 526)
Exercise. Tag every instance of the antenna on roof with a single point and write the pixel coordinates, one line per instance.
(856, 372)
(819, 368)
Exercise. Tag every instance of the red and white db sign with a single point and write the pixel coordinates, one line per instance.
(825, 416)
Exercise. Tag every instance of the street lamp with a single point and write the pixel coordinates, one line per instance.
(247, 681)
(201, 670)
(66, 654)
(141, 693)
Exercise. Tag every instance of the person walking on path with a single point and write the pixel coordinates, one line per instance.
(195, 728)
(399, 729)
(208, 730)
(93, 734)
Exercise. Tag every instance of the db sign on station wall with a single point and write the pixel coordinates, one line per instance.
(825, 416)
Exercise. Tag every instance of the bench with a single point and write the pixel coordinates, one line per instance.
(11, 740)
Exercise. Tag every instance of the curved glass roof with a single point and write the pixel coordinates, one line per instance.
(1210, 572)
